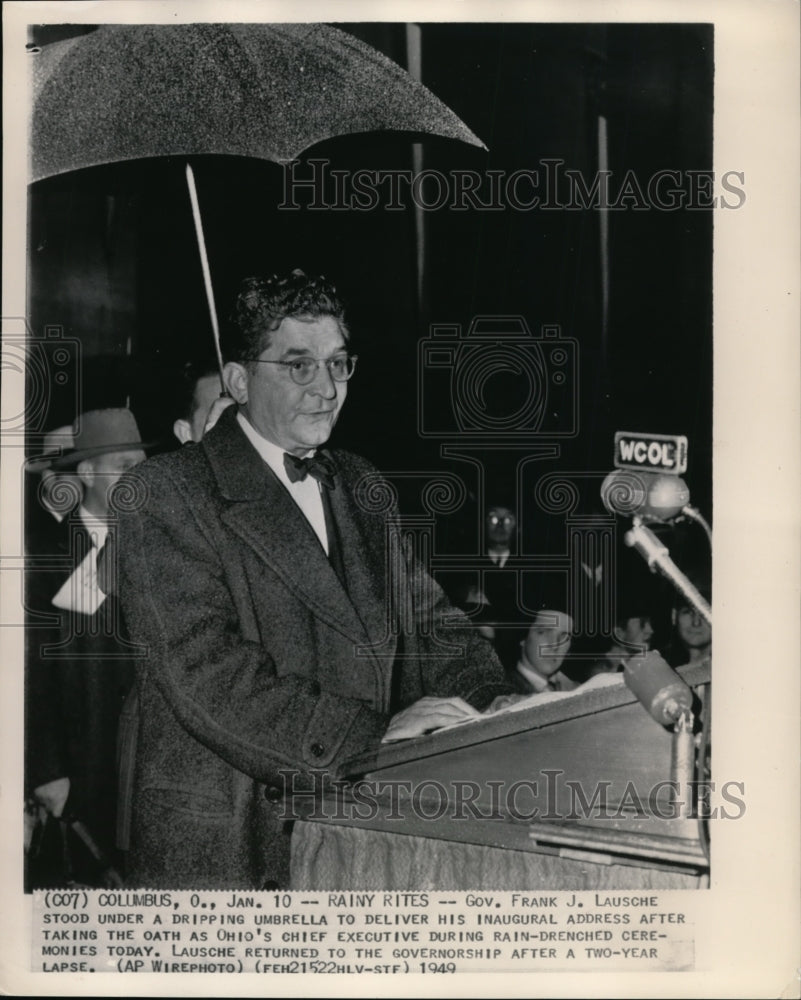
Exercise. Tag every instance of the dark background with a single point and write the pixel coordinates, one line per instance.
(114, 263)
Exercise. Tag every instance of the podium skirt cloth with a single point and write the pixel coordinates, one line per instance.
(328, 857)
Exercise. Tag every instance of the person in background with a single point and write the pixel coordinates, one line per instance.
(201, 399)
(531, 646)
(635, 609)
(58, 491)
(501, 527)
(490, 595)
(542, 654)
(78, 664)
(49, 497)
(691, 641)
(631, 637)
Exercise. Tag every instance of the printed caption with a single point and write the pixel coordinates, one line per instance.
(76, 931)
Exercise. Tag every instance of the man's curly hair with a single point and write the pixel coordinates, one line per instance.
(264, 303)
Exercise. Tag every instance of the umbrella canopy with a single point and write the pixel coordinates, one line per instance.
(269, 91)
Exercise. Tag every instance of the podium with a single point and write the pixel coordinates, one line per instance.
(583, 780)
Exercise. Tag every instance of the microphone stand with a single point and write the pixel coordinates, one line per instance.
(657, 556)
(694, 514)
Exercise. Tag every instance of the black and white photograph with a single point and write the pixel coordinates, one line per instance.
(371, 415)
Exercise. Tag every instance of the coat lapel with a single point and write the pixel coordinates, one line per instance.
(264, 515)
(365, 561)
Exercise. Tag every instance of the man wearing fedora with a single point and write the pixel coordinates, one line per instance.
(288, 623)
(57, 492)
(78, 662)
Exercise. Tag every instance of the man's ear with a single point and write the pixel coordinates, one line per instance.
(182, 431)
(86, 472)
(235, 378)
(674, 616)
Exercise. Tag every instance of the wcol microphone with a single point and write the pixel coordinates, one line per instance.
(658, 687)
(649, 495)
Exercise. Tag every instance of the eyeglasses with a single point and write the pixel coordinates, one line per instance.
(303, 370)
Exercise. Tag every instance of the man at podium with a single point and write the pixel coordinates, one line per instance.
(289, 623)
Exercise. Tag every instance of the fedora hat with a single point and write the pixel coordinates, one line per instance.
(54, 443)
(99, 432)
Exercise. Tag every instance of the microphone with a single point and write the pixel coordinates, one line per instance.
(657, 556)
(651, 496)
(654, 497)
(658, 687)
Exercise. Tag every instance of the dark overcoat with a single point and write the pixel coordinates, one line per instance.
(259, 661)
(79, 669)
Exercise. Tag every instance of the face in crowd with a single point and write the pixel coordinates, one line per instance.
(693, 630)
(57, 487)
(501, 525)
(635, 632)
(548, 641)
(100, 474)
(207, 390)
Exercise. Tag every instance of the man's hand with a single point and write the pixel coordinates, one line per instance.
(504, 701)
(427, 714)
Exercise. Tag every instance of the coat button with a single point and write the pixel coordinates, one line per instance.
(270, 884)
(317, 749)
(273, 793)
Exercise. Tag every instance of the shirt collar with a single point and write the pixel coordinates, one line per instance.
(272, 454)
(97, 529)
(536, 679)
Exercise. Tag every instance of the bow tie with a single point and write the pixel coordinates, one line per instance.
(318, 467)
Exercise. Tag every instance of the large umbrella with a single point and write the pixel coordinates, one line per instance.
(269, 91)
(127, 92)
